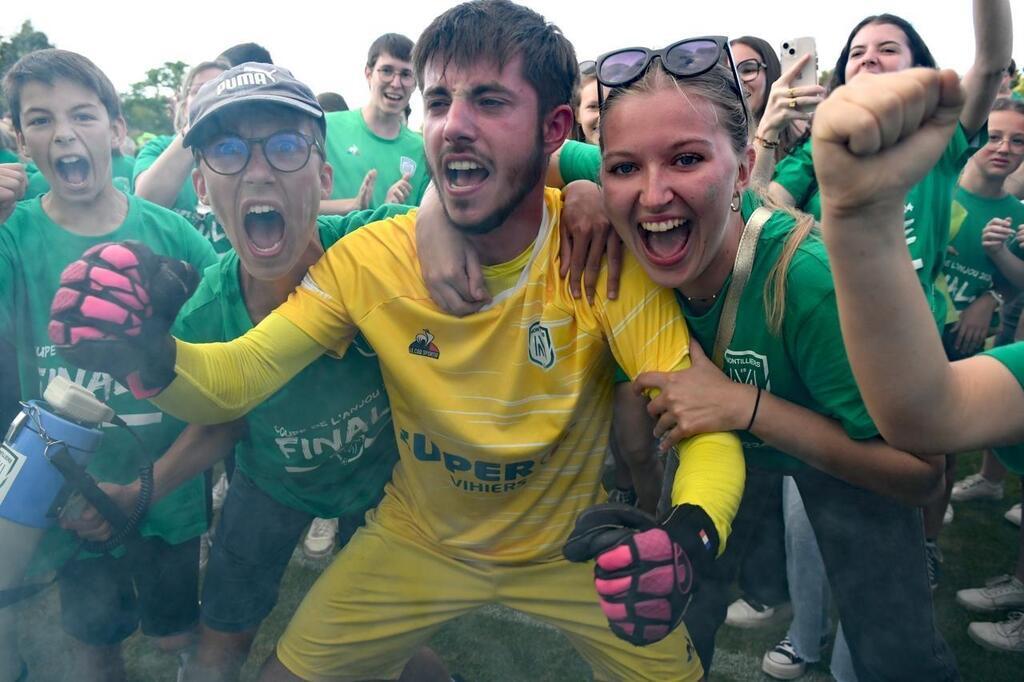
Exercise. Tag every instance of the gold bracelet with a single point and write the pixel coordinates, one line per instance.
(767, 144)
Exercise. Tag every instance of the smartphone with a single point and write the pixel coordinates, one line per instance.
(792, 51)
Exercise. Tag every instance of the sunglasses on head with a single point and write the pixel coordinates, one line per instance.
(588, 67)
(684, 58)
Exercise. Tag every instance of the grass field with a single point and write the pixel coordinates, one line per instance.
(499, 645)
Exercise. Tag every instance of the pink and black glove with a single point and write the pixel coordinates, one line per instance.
(114, 310)
(645, 572)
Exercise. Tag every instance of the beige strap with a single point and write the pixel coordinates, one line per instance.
(740, 274)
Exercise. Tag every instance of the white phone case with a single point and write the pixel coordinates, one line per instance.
(794, 49)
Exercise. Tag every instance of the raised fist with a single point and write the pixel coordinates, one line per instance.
(879, 135)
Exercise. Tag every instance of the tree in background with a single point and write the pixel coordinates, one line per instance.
(16, 46)
(149, 104)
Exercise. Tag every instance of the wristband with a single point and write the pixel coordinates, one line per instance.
(767, 144)
(753, 415)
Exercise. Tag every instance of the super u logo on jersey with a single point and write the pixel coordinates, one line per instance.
(540, 348)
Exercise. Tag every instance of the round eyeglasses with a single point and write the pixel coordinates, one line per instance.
(749, 68)
(286, 151)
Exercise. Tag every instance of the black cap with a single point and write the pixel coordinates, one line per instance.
(248, 83)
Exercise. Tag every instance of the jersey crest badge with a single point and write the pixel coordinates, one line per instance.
(424, 345)
(407, 166)
(540, 348)
(748, 367)
(353, 150)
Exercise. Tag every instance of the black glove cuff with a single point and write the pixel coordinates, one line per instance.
(158, 372)
(691, 528)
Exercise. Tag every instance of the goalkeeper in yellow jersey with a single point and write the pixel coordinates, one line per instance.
(501, 417)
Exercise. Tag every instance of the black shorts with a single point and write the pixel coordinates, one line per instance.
(103, 600)
(252, 546)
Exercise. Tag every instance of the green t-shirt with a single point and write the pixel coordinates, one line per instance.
(926, 213)
(579, 161)
(33, 252)
(806, 363)
(120, 171)
(7, 156)
(795, 172)
(353, 149)
(1012, 356)
(37, 182)
(969, 273)
(324, 443)
(187, 204)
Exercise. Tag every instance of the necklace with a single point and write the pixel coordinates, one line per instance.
(701, 299)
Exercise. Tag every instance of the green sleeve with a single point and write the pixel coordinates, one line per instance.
(147, 156)
(579, 161)
(199, 249)
(37, 182)
(812, 333)
(960, 149)
(795, 172)
(334, 227)
(1012, 356)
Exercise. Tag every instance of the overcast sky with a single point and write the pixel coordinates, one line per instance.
(325, 43)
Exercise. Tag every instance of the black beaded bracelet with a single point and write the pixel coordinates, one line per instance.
(753, 415)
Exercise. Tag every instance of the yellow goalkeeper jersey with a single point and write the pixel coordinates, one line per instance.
(503, 416)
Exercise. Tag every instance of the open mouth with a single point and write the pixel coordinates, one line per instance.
(465, 174)
(392, 97)
(264, 226)
(665, 241)
(73, 170)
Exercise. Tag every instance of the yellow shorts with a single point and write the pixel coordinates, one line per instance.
(385, 595)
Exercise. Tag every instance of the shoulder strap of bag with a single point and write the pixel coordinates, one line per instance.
(740, 274)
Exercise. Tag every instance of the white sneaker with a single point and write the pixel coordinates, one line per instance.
(976, 487)
(1003, 592)
(1013, 515)
(220, 492)
(947, 516)
(319, 540)
(782, 662)
(746, 614)
(1005, 636)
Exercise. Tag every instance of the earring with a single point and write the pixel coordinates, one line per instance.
(734, 205)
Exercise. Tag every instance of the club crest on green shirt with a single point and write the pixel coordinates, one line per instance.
(748, 367)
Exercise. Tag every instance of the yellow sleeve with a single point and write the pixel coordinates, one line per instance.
(647, 333)
(711, 474)
(219, 382)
